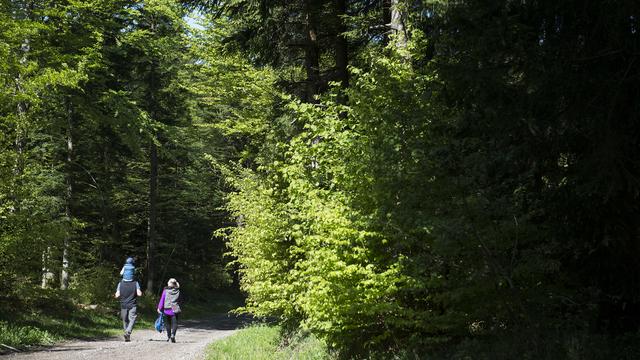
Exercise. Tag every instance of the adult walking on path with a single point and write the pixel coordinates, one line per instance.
(128, 292)
(169, 307)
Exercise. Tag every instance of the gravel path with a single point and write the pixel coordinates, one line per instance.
(146, 344)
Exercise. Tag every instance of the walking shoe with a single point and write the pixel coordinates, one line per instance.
(173, 339)
(127, 337)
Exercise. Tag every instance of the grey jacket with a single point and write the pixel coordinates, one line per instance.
(171, 298)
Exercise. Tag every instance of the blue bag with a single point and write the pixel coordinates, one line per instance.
(160, 323)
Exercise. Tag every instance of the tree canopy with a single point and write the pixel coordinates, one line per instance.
(422, 178)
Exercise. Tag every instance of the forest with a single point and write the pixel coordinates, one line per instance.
(412, 179)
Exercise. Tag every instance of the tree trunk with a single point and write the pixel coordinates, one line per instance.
(386, 19)
(341, 46)
(109, 229)
(21, 112)
(311, 50)
(153, 175)
(153, 203)
(392, 18)
(64, 274)
(397, 24)
(47, 274)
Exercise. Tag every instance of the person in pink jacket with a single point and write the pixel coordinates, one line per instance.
(169, 307)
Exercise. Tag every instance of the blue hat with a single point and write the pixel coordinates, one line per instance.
(129, 260)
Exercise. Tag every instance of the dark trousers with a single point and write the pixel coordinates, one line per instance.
(171, 330)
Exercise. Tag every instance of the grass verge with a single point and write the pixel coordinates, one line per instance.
(265, 342)
(39, 328)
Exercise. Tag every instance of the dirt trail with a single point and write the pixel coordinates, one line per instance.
(146, 344)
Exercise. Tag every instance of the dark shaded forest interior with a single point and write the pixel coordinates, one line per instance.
(401, 178)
